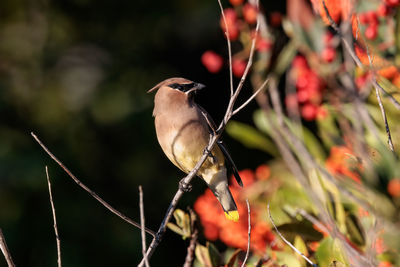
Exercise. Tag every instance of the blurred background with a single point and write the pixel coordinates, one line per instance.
(76, 72)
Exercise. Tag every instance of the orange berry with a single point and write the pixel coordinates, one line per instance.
(263, 172)
(393, 187)
(385, 264)
(250, 13)
(236, 2)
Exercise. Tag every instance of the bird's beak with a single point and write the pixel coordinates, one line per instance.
(198, 86)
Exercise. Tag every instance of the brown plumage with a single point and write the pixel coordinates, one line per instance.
(183, 134)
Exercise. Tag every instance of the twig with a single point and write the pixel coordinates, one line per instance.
(4, 249)
(53, 210)
(251, 97)
(287, 242)
(228, 41)
(248, 234)
(142, 226)
(84, 187)
(193, 241)
(374, 81)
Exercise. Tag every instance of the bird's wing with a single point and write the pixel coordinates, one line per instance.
(212, 127)
(230, 162)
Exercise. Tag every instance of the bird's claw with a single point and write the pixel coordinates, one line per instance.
(185, 187)
(207, 151)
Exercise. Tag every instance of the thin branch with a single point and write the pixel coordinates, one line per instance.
(383, 112)
(142, 226)
(251, 97)
(53, 210)
(193, 241)
(4, 249)
(228, 40)
(287, 242)
(248, 234)
(84, 187)
(214, 138)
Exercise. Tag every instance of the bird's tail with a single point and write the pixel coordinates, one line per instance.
(219, 186)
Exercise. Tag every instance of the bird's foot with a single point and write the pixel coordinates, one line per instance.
(206, 151)
(185, 187)
(211, 155)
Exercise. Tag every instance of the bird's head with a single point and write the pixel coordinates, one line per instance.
(181, 84)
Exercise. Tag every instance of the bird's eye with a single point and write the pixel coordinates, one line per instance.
(176, 86)
(182, 87)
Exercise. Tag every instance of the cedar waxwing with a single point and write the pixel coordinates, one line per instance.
(183, 133)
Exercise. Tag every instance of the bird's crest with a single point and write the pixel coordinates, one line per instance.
(169, 81)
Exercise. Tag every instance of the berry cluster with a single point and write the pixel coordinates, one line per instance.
(239, 20)
(309, 88)
(233, 234)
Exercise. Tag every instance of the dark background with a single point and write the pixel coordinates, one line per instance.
(76, 73)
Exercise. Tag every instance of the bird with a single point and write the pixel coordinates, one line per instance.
(183, 130)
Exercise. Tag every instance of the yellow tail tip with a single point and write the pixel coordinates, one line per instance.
(232, 215)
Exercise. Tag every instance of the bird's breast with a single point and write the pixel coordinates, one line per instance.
(183, 141)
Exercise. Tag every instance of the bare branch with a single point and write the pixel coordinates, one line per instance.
(4, 249)
(228, 41)
(53, 210)
(248, 234)
(287, 242)
(193, 241)
(251, 97)
(84, 187)
(142, 226)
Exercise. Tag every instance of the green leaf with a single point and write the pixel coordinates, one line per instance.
(203, 255)
(288, 258)
(327, 129)
(329, 251)
(301, 246)
(285, 58)
(182, 226)
(250, 137)
(232, 259)
(397, 37)
(214, 254)
(310, 141)
(337, 264)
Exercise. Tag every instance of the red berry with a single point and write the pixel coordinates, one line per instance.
(300, 62)
(250, 13)
(328, 54)
(275, 19)
(238, 67)
(372, 17)
(309, 112)
(392, 3)
(371, 32)
(212, 61)
(231, 21)
(236, 2)
(383, 10)
(363, 18)
(263, 45)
